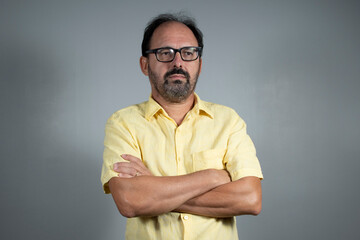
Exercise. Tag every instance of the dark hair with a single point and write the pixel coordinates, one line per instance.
(168, 17)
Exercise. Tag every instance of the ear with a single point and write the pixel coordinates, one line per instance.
(144, 61)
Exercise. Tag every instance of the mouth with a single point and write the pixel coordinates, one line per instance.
(177, 76)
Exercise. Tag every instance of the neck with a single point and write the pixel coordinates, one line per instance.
(176, 111)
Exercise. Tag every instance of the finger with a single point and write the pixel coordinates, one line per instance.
(124, 175)
(120, 165)
(136, 161)
(125, 169)
(131, 158)
(137, 164)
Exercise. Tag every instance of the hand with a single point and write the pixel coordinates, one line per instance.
(224, 176)
(133, 168)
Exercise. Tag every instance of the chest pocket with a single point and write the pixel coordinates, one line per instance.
(208, 159)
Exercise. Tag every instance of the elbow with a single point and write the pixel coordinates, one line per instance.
(136, 208)
(256, 209)
(255, 204)
(130, 205)
(127, 212)
(126, 207)
(125, 202)
(251, 205)
(249, 197)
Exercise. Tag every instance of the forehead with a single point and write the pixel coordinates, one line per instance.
(172, 34)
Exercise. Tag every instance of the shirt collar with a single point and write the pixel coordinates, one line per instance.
(200, 107)
(151, 108)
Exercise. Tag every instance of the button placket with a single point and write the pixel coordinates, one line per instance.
(177, 148)
(186, 220)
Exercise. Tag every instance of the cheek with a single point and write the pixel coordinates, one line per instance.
(194, 71)
(159, 70)
(156, 72)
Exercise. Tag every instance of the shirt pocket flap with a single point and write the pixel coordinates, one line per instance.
(209, 159)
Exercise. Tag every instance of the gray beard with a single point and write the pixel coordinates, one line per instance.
(176, 92)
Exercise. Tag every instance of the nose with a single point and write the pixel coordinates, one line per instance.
(177, 60)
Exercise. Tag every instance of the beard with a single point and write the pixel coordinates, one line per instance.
(176, 91)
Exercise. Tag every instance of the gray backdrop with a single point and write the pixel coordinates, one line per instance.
(289, 68)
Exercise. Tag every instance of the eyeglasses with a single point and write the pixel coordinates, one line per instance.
(167, 54)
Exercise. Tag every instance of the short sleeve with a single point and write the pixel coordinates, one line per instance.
(118, 140)
(240, 158)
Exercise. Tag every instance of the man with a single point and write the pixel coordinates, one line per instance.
(176, 166)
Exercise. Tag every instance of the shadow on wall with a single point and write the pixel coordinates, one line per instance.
(50, 170)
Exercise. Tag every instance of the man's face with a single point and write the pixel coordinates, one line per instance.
(174, 81)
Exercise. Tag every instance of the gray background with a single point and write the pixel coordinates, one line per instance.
(290, 68)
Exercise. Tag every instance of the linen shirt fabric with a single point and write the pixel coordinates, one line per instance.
(210, 136)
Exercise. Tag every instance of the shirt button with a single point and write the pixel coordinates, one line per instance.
(186, 217)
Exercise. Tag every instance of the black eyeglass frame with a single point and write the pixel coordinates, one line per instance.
(198, 50)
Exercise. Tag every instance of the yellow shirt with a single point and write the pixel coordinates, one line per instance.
(210, 136)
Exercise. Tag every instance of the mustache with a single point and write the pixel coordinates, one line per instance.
(177, 71)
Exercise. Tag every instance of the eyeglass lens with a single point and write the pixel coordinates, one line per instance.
(168, 54)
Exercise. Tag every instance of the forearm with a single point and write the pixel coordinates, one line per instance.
(152, 195)
(235, 198)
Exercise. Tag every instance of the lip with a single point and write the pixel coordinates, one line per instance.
(177, 76)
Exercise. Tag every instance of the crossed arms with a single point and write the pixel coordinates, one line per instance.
(209, 192)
